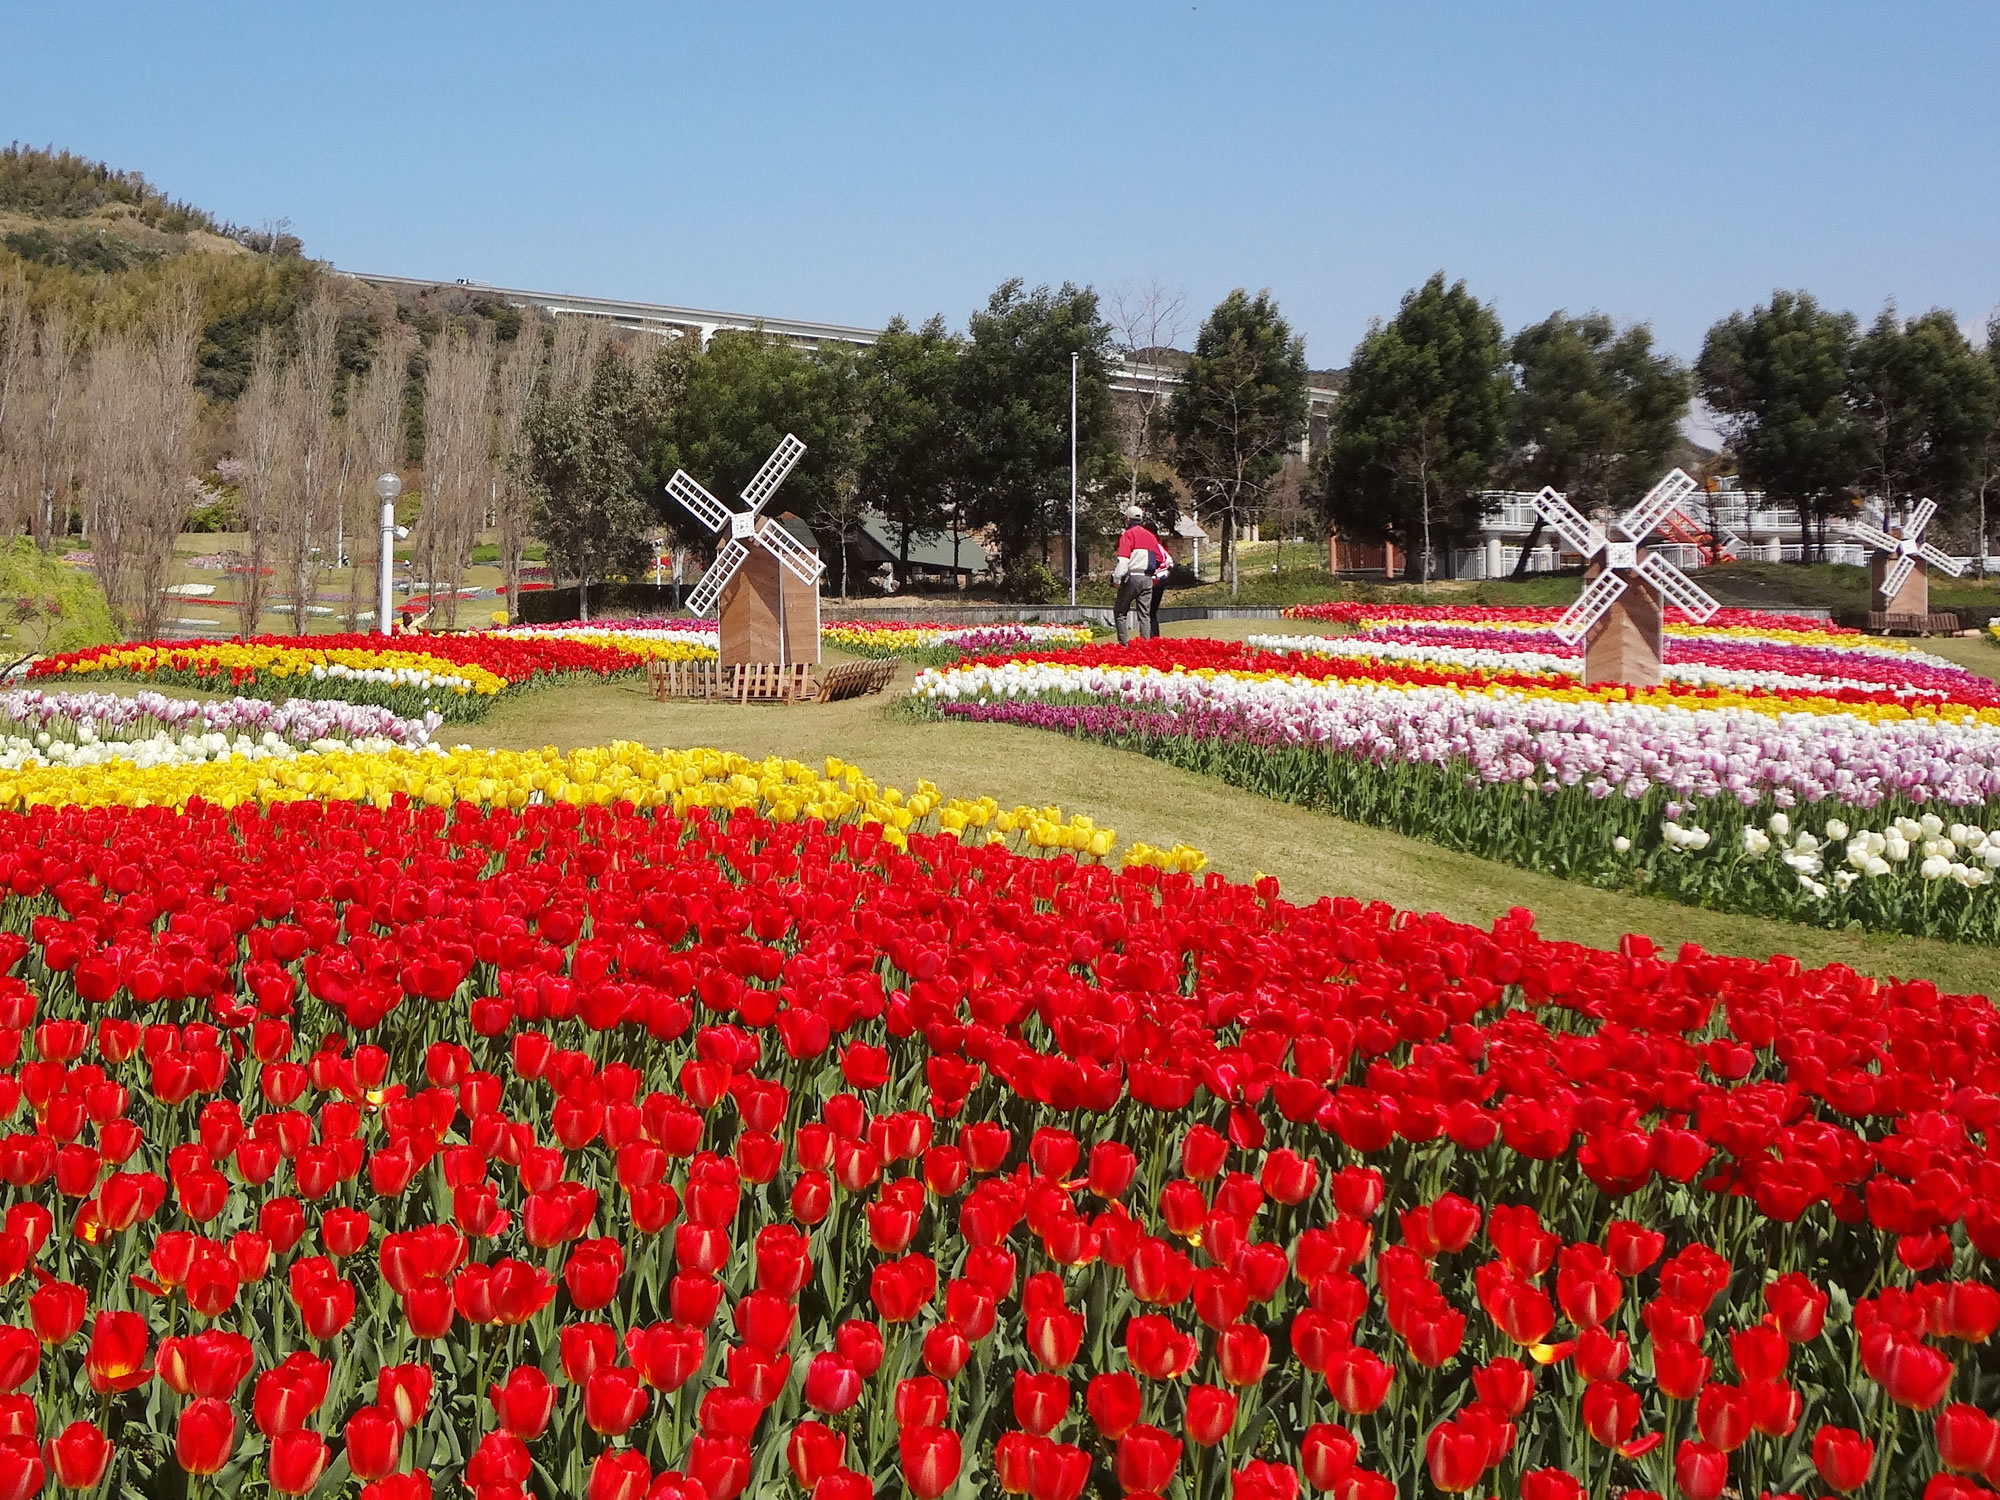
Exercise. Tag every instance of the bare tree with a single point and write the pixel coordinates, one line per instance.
(141, 409)
(573, 354)
(166, 491)
(305, 511)
(1148, 319)
(457, 456)
(16, 371)
(264, 448)
(514, 498)
(48, 425)
(115, 452)
(375, 437)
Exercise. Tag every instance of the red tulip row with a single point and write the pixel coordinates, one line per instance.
(564, 1151)
(516, 658)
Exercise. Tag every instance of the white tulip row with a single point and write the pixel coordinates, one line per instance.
(1510, 736)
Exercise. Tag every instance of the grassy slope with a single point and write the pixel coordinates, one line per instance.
(1242, 833)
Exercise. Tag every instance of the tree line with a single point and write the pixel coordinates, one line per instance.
(519, 426)
(1440, 407)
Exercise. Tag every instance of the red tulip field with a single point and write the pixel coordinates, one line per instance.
(405, 1151)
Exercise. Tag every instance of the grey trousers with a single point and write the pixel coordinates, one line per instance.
(1135, 593)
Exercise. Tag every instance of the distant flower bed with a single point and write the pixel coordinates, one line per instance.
(934, 644)
(1804, 773)
(456, 675)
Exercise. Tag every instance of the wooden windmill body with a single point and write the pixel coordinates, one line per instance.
(764, 582)
(1620, 617)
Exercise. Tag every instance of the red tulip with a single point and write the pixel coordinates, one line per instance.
(619, 1474)
(500, 1461)
(116, 1359)
(1722, 1415)
(1289, 1177)
(1843, 1457)
(613, 1399)
(1261, 1479)
(1157, 1349)
(404, 1391)
(1146, 1460)
(666, 1355)
(815, 1450)
(22, 1472)
(206, 1436)
(1506, 1384)
(1914, 1374)
(1211, 1413)
(1326, 1455)
(1632, 1247)
(720, 1465)
(524, 1404)
(1679, 1368)
(374, 1439)
(930, 1459)
(1700, 1470)
(295, 1462)
(860, 1342)
(79, 1455)
(783, 1264)
(1968, 1439)
(1359, 1381)
(1775, 1407)
(57, 1310)
(1610, 1412)
(1798, 1306)
(592, 1273)
(1054, 1336)
(1456, 1454)
(1552, 1484)
(1056, 1471)
(289, 1393)
(586, 1347)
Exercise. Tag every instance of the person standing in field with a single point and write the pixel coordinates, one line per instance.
(1141, 556)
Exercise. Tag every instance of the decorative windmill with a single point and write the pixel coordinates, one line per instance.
(1620, 612)
(765, 580)
(1901, 585)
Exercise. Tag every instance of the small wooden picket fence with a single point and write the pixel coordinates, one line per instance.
(766, 682)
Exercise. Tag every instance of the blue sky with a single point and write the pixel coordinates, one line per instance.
(848, 162)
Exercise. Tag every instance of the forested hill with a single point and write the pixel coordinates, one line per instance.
(101, 243)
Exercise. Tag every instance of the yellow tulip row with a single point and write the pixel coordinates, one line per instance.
(783, 790)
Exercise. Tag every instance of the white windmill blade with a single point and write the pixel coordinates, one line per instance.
(1677, 589)
(1589, 608)
(1569, 522)
(1657, 504)
(803, 563)
(1897, 576)
(1944, 562)
(1920, 517)
(1874, 536)
(776, 467)
(727, 561)
(708, 510)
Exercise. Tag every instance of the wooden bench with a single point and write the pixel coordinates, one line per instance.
(1942, 623)
(855, 679)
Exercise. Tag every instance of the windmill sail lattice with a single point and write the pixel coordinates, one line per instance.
(1908, 549)
(739, 530)
(1622, 564)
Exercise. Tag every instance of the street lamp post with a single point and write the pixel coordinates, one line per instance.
(1072, 480)
(388, 487)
